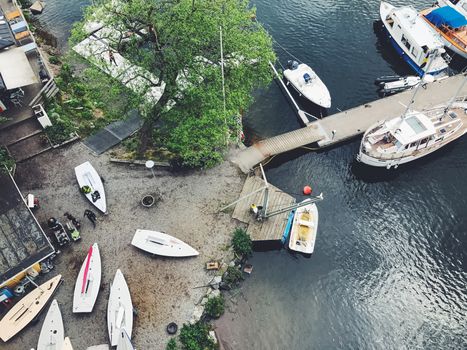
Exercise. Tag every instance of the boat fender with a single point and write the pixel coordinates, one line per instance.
(172, 328)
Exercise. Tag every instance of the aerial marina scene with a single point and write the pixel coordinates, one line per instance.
(233, 174)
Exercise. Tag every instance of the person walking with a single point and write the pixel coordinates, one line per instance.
(91, 216)
(112, 58)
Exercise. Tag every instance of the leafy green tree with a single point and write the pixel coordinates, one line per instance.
(215, 306)
(178, 41)
(196, 337)
(172, 345)
(241, 243)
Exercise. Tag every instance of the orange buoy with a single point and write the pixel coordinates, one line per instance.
(307, 190)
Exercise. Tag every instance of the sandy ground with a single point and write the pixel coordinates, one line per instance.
(163, 290)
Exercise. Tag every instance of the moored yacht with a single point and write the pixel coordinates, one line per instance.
(459, 5)
(413, 39)
(413, 135)
(450, 25)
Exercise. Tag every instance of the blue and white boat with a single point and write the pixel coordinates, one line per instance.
(414, 40)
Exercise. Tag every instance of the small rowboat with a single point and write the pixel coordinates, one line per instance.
(124, 342)
(307, 83)
(52, 332)
(67, 344)
(159, 243)
(304, 228)
(88, 178)
(27, 309)
(88, 282)
(119, 309)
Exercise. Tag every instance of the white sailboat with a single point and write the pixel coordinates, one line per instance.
(413, 135)
(119, 309)
(67, 344)
(307, 83)
(52, 332)
(413, 39)
(88, 282)
(304, 229)
(124, 342)
(25, 310)
(160, 243)
(88, 178)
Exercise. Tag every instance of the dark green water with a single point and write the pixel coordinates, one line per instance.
(389, 269)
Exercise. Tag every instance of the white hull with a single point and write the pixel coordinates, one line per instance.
(52, 332)
(159, 243)
(304, 229)
(67, 344)
(86, 175)
(315, 91)
(88, 282)
(124, 342)
(23, 312)
(119, 309)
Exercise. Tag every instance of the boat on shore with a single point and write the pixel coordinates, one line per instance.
(413, 135)
(67, 344)
(304, 229)
(124, 342)
(52, 332)
(90, 184)
(307, 83)
(414, 40)
(119, 309)
(88, 282)
(25, 310)
(160, 243)
(450, 25)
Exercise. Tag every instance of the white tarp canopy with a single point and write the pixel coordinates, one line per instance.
(15, 69)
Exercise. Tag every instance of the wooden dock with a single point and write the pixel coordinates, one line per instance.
(270, 229)
(348, 124)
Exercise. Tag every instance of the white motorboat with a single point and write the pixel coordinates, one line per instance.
(67, 344)
(52, 332)
(119, 309)
(450, 25)
(304, 229)
(413, 135)
(124, 342)
(159, 243)
(25, 310)
(90, 183)
(414, 40)
(402, 84)
(88, 282)
(307, 83)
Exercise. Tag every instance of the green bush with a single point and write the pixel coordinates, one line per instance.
(241, 243)
(232, 276)
(215, 306)
(5, 160)
(196, 337)
(171, 345)
(54, 60)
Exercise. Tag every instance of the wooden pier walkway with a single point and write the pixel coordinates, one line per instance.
(272, 228)
(348, 124)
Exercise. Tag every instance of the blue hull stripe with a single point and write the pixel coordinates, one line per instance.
(288, 227)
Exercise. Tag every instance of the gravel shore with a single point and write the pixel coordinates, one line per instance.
(163, 290)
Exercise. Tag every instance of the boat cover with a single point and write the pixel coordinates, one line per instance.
(448, 16)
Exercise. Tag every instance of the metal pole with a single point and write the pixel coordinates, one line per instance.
(243, 197)
(457, 93)
(296, 205)
(222, 68)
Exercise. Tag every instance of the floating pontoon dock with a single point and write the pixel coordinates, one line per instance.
(348, 124)
(270, 229)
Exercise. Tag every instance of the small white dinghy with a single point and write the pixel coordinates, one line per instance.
(119, 309)
(52, 332)
(25, 310)
(88, 282)
(159, 243)
(124, 342)
(88, 176)
(304, 228)
(66, 344)
(307, 83)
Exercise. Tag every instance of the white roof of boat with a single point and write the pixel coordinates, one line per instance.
(415, 27)
(414, 127)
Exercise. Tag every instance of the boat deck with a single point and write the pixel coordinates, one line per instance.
(22, 241)
(271, 229)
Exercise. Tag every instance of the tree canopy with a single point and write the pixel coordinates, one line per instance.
(178, 42)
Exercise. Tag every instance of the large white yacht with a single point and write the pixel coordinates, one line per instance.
(414, 39)
(413, 135)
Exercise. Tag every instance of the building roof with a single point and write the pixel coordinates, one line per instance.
(6, 37)
(448, 16)
(415, 126)
(22, 241)
(15, 69)
(415, 27)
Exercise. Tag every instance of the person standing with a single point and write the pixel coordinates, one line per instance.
(112, 58)
(91, 216)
